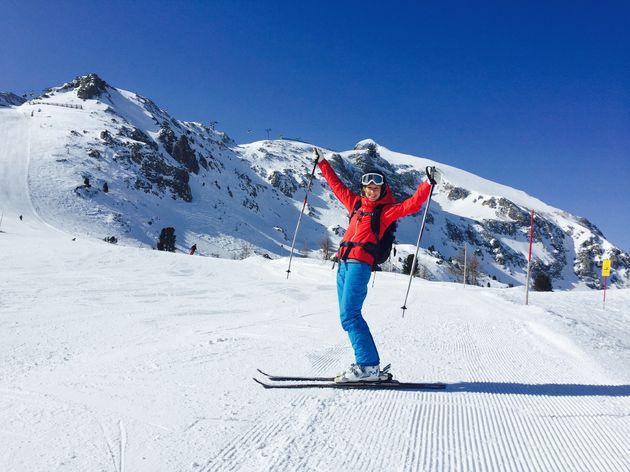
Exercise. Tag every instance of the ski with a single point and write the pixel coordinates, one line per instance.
(384, 385)
(290, 378)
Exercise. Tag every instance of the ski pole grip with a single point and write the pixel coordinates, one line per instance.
(318, 156)
(429, 170)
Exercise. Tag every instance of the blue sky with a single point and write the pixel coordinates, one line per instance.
(535, 95)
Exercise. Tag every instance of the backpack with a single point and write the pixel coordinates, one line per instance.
(383, 247)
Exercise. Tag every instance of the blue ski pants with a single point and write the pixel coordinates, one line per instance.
(352, 287)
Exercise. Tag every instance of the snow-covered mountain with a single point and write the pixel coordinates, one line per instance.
(104, 162)
(8, 99)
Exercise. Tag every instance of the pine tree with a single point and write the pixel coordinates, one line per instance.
(406, 268)
(167, 240)
(542, 283)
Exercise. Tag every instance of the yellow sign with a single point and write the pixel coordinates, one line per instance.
(606, 267)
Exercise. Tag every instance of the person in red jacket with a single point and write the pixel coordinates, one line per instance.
(356, 260)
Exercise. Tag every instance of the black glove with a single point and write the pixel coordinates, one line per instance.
(318, 155)
(434, 175)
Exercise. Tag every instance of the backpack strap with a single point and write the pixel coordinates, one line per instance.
(375, 226)
(370, 248)
(348, 245)
(375, 223)
(357, 205)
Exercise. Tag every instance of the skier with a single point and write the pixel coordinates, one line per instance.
(193, 248)
(355, 257)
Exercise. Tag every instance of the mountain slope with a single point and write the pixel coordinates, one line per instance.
(101, 161)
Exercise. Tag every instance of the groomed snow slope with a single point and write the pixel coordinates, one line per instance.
(121, 359)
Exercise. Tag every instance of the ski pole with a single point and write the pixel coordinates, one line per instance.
(308, 188)
(415, 256)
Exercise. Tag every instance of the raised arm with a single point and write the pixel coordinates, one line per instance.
(413, 203)
(406, 207)
(343, 193)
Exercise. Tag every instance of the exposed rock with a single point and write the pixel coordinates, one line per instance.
(167, 137)
(138, 135)
(107, 137)
(457, 193)
(453, 232)
(87, 86)
(164, 176)
(182, 152)
(135, 152)
(284, 182)
(508, 209)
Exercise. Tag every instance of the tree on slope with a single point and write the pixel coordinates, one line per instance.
(471, 263)
(167, 240)
(406, 267)
(326, 246)
(542, 283)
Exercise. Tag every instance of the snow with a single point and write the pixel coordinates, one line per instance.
(118, 358)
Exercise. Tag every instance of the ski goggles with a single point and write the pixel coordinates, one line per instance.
(372, 177)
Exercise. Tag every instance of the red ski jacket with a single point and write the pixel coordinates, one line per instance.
(359, 229)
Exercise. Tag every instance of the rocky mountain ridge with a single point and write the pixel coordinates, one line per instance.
(8, 99)
(107, 162)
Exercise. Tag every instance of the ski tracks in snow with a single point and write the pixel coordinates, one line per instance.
(520, 399)
(429, 431)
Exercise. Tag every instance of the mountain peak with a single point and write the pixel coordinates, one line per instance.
(87, 86)
(366, 145)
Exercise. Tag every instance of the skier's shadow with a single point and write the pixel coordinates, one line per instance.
(548, 390)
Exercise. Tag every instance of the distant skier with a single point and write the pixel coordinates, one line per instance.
(20, 217)
(356, 258)
(193, 248)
